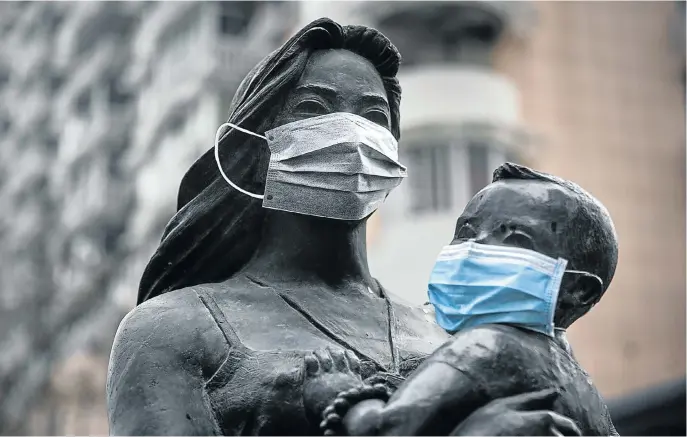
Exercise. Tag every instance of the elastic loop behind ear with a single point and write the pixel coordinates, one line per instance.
(219, 166)
(587, 274)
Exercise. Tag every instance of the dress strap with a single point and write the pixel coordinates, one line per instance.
(393, 328)
(220, 319)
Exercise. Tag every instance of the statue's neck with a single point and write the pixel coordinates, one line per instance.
(561, 337)
(300, 250)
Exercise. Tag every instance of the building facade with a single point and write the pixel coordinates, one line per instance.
(603, 84)
(189, 59)
(104, 107)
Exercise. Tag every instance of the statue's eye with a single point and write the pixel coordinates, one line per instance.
(378, 117)
(519, 239)
(311, 107)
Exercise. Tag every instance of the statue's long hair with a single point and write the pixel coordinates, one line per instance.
(216, 229)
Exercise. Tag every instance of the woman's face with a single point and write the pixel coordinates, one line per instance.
(337, 81)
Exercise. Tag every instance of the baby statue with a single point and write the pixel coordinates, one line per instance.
(531, 254)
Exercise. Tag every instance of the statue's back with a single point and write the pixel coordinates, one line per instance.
(504, 361)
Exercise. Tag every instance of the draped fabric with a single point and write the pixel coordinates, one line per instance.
(216, 229)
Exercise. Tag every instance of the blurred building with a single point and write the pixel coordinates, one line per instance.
(65, 128)
(189, 59)
(590, 91)
(604, 86)
(105, 105)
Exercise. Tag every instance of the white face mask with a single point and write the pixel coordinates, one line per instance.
(339, 166)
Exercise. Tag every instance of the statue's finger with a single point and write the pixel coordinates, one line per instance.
(538, 400)
(547, 423)
(353, 361)
(339, 359)
(325, 359)
(563, 426)
(311, 365)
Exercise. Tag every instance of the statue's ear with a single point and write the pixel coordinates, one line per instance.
(586, 288)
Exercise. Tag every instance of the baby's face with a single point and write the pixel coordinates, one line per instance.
(531, 215)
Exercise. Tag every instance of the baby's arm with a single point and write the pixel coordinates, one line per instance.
(438, 395)
(433, 402)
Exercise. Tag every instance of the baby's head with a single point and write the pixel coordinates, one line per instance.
(537, 211)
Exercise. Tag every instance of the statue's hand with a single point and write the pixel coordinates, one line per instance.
(327, 373)
(528, 414)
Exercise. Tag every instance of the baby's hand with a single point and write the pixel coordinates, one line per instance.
(328, 372)
(521, 415)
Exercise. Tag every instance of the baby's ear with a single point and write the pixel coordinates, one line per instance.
(586, 288)
(580, 291)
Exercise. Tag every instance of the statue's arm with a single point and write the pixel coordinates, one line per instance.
(523, 414)
(162, 354)
(437, 396)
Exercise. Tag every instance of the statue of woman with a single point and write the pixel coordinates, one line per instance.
(244, 288)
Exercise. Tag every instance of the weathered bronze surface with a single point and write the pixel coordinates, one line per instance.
(535, 211)
(252, 321)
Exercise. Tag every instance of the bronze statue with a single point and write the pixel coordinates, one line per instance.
(251, 317)
(531, 254)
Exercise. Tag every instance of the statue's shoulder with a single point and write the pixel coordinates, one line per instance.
(420, 316)
(488, 353)
(416, 329)
(169, 309)
(176, 323)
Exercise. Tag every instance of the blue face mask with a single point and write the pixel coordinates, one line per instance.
(475, 284)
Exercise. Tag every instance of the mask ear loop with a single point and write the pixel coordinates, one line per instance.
(219, 166)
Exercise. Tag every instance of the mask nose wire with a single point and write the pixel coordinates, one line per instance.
(219, 166)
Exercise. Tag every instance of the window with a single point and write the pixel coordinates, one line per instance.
(234, 17)
(56, 82)
(430, 187)
(39, 185)
(114, 161)
(444, 177)
(450, 31)
(53, 22)
(51, 144)
(468, 51)
(177, 43)
(116, 94)
(478, 166)
(83, 103)
(176, 123)
(4, 75)
(5, 124)
(110, 240)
